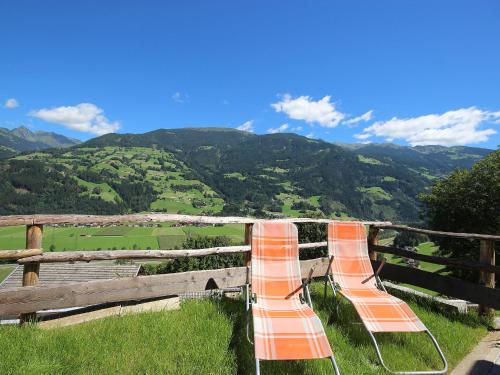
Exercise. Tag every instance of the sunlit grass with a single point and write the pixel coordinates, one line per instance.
(208, 337)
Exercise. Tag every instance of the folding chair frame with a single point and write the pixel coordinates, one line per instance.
(329, 279)
(251, 298)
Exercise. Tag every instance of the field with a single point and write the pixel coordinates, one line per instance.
(426, 248)
(170, 178)
(5, 271)
(117, 238)
(207, 337)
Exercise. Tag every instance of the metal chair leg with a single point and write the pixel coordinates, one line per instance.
(247, 307)
(257, 367)
(430, 372)
(334, 364)
(307, 292)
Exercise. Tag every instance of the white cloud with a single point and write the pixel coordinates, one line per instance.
(279, 129)
(458, 127)
(297, 129)
(362, 136)
(179, 97)
(11, 103)
(322, 112)
(84, 117)
(246, 127)
(365, 117)
(310, 135)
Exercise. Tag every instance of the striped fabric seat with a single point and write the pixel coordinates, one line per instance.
(379, 311)
(284, 328)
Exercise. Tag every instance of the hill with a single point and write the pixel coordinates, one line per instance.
(226, 171)
(22, 139)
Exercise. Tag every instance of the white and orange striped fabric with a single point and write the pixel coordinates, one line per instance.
(379, 311)
(284, 328)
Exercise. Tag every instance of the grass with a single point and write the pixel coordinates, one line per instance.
(130, 162)
(170, 242)
(193, 340)
(5, 271)
(376, 193)
(426, 248)
(367, 160)
(208, 337)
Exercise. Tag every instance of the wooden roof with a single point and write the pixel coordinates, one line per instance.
(65, 273)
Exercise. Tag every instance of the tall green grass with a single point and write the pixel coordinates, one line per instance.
(190, 341)
(208, 337)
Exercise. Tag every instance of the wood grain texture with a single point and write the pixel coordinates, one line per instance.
(486, 277)
(470, 236)
(87, 256)
(31, 270)
(16, 301)
(372, 240)
(18, 254)
(446, 285)
(166, 304)
(11, 220)
(450, 262)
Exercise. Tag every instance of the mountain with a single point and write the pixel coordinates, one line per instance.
(22, 139)
(229, 172)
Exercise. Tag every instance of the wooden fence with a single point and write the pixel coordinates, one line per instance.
(29, 298)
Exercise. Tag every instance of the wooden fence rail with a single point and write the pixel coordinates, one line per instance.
(35, 298)
(467, 236)
(12, 220)
(450, 262)
(27, 299)
(30, 298)
(87, 256)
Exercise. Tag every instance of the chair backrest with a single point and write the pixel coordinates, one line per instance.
(275, 260)
(351, 264)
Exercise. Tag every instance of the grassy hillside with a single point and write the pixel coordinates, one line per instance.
(208, 337)
(228, 172)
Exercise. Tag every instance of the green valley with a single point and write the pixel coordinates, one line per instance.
(220, 171)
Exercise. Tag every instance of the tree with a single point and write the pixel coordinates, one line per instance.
(410, 239)
(465, 201)
(199, 263)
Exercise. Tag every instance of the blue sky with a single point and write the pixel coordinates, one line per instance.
(409, 72)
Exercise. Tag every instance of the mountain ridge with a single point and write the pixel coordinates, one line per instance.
(227, 171)
(22, 139)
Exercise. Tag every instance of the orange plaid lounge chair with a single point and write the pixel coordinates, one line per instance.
(285, 326)
(352, 276)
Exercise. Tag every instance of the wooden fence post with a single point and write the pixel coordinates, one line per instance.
(248, 255)
(372, 240)
(31, 270)
(487, 255)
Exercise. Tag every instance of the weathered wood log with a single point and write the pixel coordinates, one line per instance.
(450, 262)
(248, 254)
(469, 236)
(87, 256)
(79, 317)
(16, 301)
(446, 285)
(18, 254)
(143, 218)
(486, 277)
(31, 270)
(372, 240)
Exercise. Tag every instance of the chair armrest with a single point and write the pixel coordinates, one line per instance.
(375, 275)
(382, 264)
